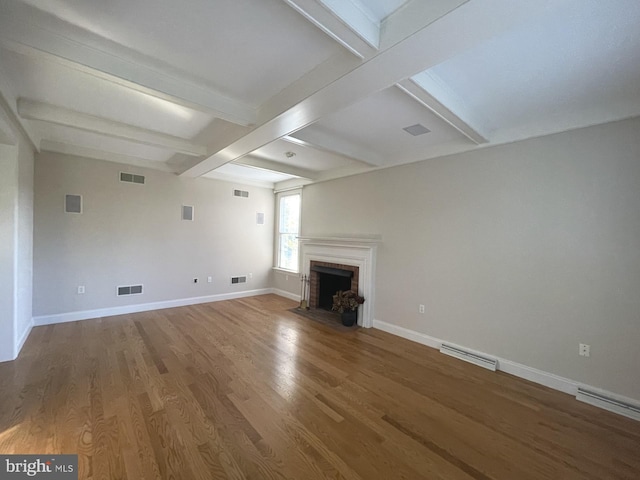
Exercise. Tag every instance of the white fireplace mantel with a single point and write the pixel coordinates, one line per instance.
(356, 251)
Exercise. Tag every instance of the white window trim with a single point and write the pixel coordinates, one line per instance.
(280, 195)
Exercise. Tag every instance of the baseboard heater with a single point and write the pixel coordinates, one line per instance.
(484, 362)
(607, 403)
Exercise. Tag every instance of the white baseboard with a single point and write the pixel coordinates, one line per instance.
(540, 377)
(408, 334)
(285, 294)
(143, 307)
(23, 338)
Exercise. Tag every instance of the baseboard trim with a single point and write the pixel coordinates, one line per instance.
(143, 307)
(540, 377)
(285, 294)
(23, 338)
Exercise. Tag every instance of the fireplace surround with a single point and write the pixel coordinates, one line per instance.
(352, 254)
(326, 279)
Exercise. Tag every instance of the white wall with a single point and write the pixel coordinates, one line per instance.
(24, 256)
(16, 241)
(522, 251)
(287, 283)
(8, 221)
(133, 234)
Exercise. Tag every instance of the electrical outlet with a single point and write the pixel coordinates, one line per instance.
(251, 275)
(195, 280)
(209, 279)
(584, 350)
(80, 289)
(421, 308)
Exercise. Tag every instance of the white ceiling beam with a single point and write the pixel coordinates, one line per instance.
(316, 13)
(8, 107)
(44, 112)
(411, 17)
(80, 151)
(263, 163)
(303, 143)
(134, 73)
(317, 138)
(367, 28)
(7, 136)
(429, 87)
(428, 101)
(464, 27)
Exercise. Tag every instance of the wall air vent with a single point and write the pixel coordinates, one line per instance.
(241, 193)
(488, 363)
(235, 280)
(73, 203)
(129, 290)
(187, 212)
(607, 403)
(131, 178)
(416, 129)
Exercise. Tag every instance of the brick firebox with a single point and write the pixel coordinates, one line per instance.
(314, 284)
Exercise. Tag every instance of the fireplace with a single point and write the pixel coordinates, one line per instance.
(357, 255)
(326, 279)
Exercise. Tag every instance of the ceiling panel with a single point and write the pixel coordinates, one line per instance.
(576, 65)
(247, 49)
(376, 124)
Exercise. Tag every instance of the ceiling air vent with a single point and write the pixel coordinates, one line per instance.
(129, 290)
(235, 280)
(187, 212)
(416, 129)
(241, 193)
(73, 203)
(131, 178)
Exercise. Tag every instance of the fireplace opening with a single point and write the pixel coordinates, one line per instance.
(327, 279)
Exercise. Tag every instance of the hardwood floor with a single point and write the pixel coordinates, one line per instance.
(245, 389)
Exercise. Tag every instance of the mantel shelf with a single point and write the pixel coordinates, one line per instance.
(354, 241)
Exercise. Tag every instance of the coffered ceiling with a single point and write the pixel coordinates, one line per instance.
(288, 92)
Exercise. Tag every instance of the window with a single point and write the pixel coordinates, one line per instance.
(288, 230)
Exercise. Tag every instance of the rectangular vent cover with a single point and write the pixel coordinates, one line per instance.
(73, 203)
(488, 363)
(187, 212)
(129, 290)
(607, 403)
(416, 129)
(260, 218)
(241, 193)
(242, 279)
(131, 178)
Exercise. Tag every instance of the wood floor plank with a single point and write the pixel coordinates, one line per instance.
(246, 389)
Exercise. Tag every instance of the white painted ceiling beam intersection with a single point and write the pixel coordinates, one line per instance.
(428, 101)
(316, 13)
